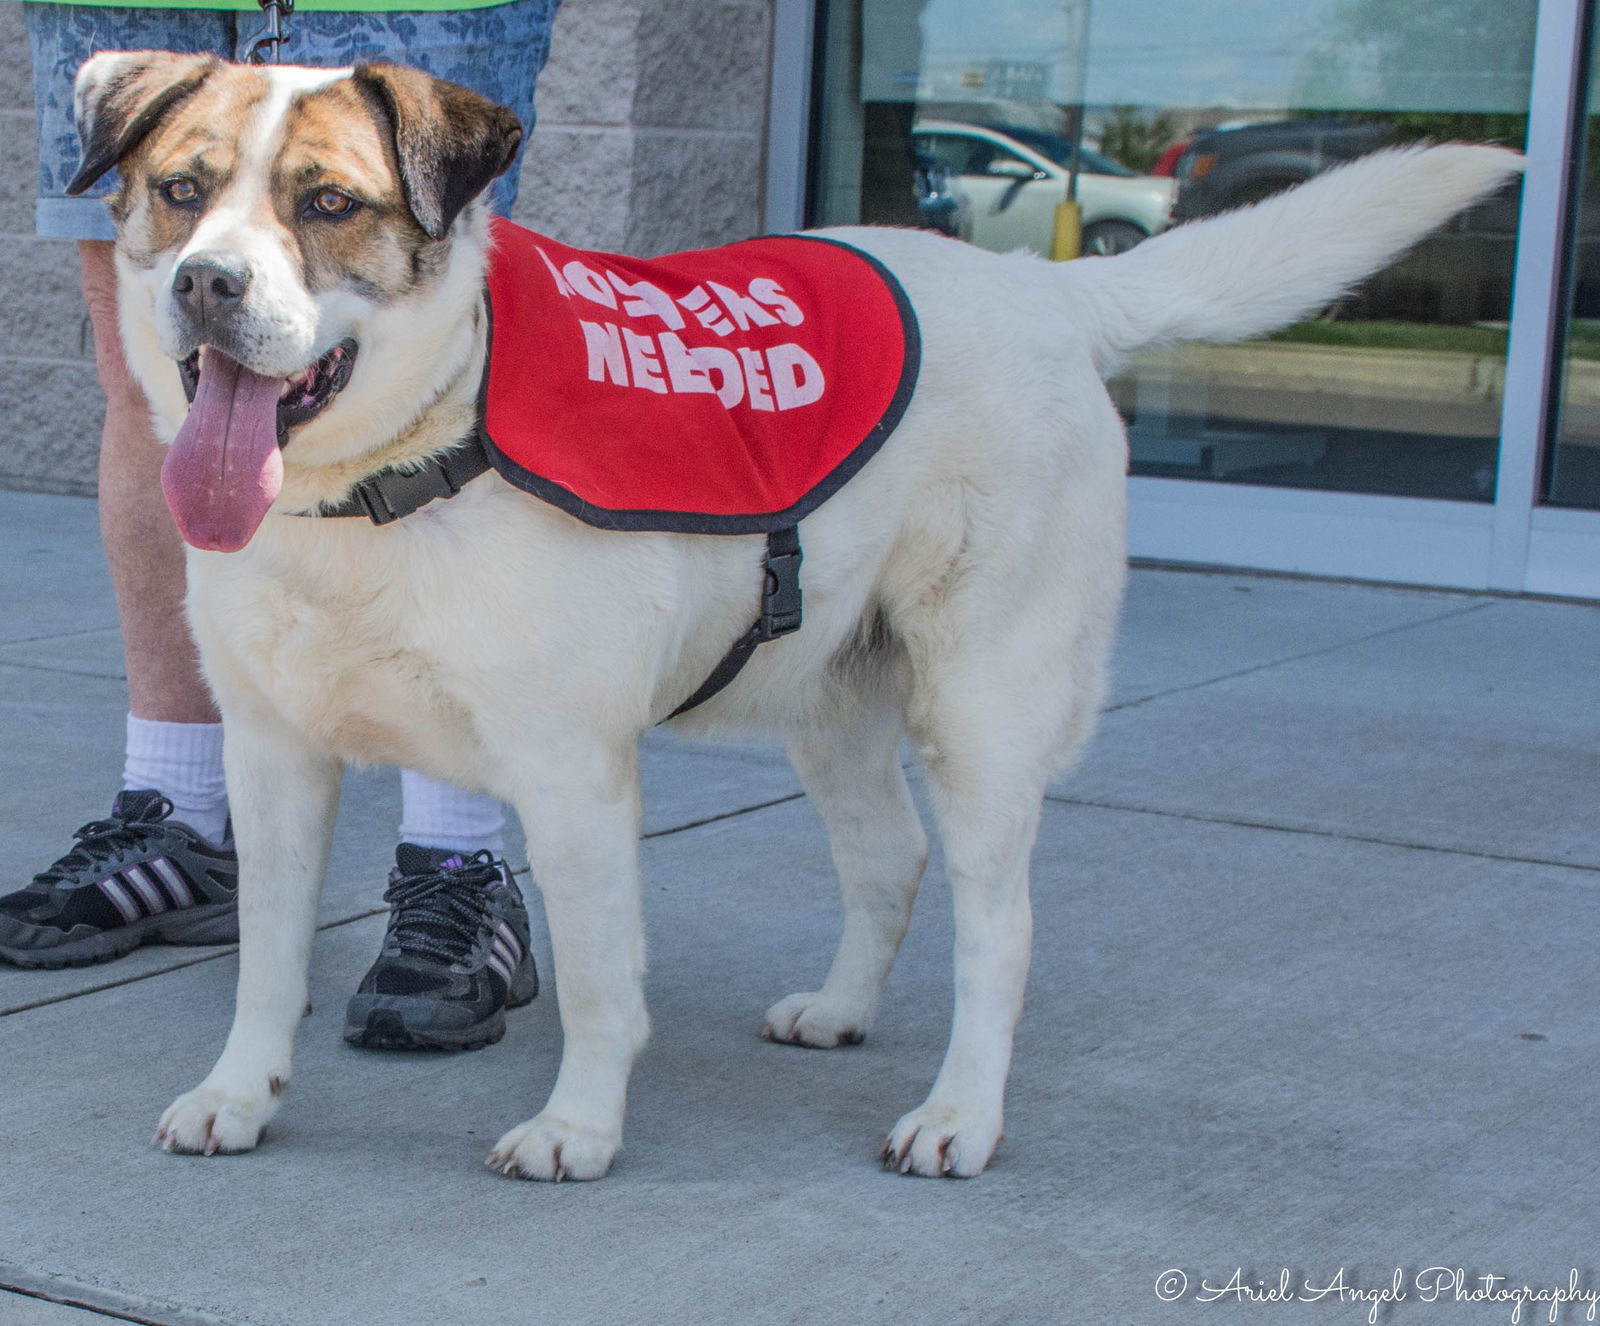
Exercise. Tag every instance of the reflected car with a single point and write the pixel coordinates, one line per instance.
(1006, 182)
(1227, 168)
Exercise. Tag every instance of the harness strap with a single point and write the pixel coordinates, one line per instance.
(780, 614)
(392, 494)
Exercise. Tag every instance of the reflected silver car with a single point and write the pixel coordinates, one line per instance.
(1006, 185)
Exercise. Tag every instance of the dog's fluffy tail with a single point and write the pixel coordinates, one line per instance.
(1262, 267)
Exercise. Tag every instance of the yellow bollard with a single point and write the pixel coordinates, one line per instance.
(1066, 240)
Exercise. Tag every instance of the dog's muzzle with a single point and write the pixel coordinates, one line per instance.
(302, 397)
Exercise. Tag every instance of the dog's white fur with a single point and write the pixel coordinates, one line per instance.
(962, 589)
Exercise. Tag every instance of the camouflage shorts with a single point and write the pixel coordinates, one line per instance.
(497, 51)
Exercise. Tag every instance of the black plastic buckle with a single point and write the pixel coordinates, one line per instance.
(780, 601)
(395, 495)
(369, 497)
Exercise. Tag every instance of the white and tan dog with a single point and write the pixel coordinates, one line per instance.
(317, 238)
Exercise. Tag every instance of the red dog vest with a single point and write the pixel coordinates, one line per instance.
(721, 391)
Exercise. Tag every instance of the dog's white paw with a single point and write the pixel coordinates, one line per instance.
(208, 1121)
(942, 1142)
(816, 1021)
(551, 1149)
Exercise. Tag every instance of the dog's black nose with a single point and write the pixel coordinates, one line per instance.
(210, 286)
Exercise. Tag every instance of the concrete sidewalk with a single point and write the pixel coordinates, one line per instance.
(1314, 987)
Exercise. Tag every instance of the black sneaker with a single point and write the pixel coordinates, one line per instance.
(129, 880)
(455, 958)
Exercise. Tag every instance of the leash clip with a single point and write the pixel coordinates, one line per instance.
(266, 46)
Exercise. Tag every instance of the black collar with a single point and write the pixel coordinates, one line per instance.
(394, 493)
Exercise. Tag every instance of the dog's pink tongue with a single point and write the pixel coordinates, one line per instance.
(224, 468)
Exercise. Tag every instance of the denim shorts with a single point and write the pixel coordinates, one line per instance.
(497, 51)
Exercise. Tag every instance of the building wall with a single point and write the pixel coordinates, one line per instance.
(652, 119)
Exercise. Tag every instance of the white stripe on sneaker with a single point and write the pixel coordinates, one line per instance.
(499, 950)
(112, 887)
(177, 886)
(508, 936)
(152, 897)
(498, 964)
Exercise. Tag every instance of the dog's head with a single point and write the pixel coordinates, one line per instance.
(270, 220)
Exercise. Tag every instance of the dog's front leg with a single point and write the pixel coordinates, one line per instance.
(582, 820)
(283, 796)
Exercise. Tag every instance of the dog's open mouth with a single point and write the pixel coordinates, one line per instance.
(225, 466)
(302, 398)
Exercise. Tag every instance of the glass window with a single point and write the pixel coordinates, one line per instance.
(1064, 126)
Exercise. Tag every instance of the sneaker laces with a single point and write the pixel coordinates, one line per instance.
(98, 841)
(440, 914)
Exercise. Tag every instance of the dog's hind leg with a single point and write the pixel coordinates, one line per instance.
(987, 809)
(283, 796)
(851, 771)
(999, 706)
(580, 806)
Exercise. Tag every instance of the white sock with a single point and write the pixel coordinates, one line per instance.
(182, 761)
(441, 815)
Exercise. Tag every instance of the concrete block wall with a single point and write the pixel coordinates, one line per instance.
(50, 403)
(652, 120)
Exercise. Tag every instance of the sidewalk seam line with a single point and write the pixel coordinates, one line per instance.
(724, 815)
(58, 635)
(222, 951)
(1296, 658)
(55, 361)
(63, 672)
(78, 1305)
(1334, 834)
(18, 1280)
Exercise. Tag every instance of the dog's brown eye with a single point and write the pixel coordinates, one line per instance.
(330, 202)
(180, 191)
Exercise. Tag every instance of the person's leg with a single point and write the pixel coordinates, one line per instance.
(141, 542)
(435, 814)
(153, 868)
(174, 735)
(174, 741)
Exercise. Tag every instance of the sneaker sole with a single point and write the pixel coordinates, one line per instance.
(385, 1029)
(206, 925)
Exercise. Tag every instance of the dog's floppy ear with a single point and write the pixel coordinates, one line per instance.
(120, 96)
(450, 142)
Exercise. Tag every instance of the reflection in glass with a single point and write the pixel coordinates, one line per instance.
(1052, 126)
